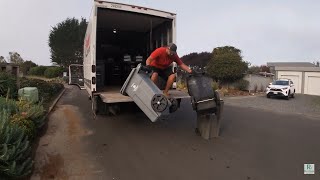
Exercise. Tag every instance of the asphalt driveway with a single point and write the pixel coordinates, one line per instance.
(254, 145)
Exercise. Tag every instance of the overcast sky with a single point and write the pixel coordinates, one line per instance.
(273, 30)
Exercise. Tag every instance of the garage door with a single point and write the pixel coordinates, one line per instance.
(312, 83)
(296, 77)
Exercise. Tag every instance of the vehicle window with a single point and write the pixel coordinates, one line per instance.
(280, 83)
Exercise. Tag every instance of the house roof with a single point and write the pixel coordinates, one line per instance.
(291, 64)
(303, 69)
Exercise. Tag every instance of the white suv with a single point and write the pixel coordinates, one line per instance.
(281, 88)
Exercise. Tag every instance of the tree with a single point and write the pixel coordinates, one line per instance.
(26, 66)
(2, 59)
(15, 58)
(264, 68)
(253, 70)
(226, 64)
(197, 59)
(66, 42)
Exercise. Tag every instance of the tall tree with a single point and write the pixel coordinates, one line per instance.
(253, 70)
(15, 57)
(197, 59)
(226, 64)
(26, 66)
(264, 68)
(2, 59)
(66, 42)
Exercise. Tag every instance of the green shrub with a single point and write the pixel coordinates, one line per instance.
(181, 85)
(31, 111)
(215, 85)
(27, 125)
(25, 114)
(15, 149)
(53, 72)
(9, 105)
(8, 85)
(37, 71)
(46, 89)
(242, 85)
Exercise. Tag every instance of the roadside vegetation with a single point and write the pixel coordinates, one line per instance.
(21, 120)
(226, 67)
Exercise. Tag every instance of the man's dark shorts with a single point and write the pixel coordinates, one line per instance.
(163, 73)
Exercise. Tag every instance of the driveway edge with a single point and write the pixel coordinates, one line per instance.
(55, 102)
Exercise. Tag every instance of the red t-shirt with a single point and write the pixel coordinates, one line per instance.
(162, 60)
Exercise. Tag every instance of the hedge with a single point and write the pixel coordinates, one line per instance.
(53, 72)
(37, 71)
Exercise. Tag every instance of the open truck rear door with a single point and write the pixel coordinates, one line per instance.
(76, 75)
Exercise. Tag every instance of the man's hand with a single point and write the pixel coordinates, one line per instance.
(186, 68)
(148, 61)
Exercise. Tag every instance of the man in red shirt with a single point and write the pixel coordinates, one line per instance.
(160, 62)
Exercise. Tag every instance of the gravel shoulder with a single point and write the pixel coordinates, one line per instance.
(302, 104)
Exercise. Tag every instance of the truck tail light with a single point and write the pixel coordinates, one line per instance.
(93, 80)
(93, 68)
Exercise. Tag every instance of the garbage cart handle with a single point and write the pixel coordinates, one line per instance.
(146, 69)
(197, 73)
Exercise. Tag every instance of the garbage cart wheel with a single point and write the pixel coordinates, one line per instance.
(159, 102)
(174, 105)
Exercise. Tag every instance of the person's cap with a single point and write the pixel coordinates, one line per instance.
(172, 47)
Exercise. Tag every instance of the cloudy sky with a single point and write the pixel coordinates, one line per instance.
(274, 30)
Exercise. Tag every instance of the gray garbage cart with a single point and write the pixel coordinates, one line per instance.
(207, 103)
(148, 97)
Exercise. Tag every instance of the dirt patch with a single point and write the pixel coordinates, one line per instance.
(54, 168)
(73, 123)
(61, 154)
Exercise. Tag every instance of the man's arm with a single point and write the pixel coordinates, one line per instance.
(186, 68)
(182, 65)
(149, 60)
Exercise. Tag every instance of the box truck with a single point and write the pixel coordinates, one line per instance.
(118, 38)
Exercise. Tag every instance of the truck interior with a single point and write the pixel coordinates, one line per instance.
(125, 39)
